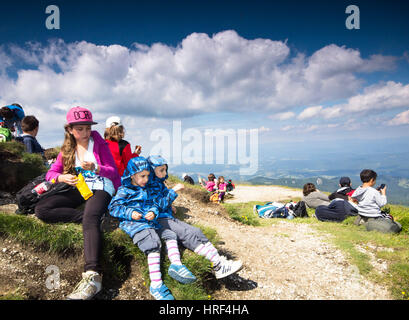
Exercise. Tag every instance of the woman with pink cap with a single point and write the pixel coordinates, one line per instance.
(83, 151)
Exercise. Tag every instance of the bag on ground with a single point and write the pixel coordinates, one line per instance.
(27, 199)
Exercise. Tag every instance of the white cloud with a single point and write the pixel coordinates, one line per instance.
(310, 112)
(282, 116)
(374, 99)
(203, 74)
(400, 119)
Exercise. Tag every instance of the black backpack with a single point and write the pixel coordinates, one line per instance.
(27, 200)
(300, 210)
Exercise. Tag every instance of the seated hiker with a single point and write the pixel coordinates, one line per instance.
(12, 115)
(30, 126)
(138, 215)
(337, 211)
(230, 186)
(221, 186)
(83, 151)
(187, 179)
(120, 148)
(344, 191)
(190, 237)
(210, 185)
(313, 197)
(370, 203)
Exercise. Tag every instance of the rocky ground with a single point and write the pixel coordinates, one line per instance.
(283, 261)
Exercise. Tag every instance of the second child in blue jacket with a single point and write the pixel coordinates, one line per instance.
(138, 218)
(191, 237)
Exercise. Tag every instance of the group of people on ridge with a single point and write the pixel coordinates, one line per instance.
(132, 188)
(365, 202)
(217, 187)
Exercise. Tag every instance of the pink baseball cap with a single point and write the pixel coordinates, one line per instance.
(79, 115)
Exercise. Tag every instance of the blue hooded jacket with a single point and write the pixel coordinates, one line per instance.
(131, 198)
(162, 196)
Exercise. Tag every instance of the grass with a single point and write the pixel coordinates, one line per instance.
(393, 248)
(119, 253)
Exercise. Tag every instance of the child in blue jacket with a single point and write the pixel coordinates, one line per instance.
(138, 218)
(191, 237)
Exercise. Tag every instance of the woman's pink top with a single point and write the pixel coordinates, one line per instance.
(102, 155)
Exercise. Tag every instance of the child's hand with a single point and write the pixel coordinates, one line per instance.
(150, 216)
(178, 187)
(136, 215)
(174, 210)
(383, 191)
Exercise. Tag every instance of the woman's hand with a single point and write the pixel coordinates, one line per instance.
(150, 216)
(136, 215)
(178, 187)
(68, 179)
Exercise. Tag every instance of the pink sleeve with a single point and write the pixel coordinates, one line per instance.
(56, 169)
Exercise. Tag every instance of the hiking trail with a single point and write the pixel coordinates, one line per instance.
(286, 260)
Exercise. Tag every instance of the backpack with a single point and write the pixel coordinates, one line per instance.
(27, 200)
(5, 134)
(214, 197)
(300, 210)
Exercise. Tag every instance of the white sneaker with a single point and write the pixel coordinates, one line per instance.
(88, 287)
(227, 267)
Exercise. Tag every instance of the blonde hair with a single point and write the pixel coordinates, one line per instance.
(68, 151)
(114, 133)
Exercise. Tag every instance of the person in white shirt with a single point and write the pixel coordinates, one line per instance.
(370, 201)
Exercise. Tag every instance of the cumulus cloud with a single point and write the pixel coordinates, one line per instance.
(282, 116)
(400, 119)
(374, 99)
(202, 74)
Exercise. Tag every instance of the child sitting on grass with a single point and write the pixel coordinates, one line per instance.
(210, 185)
(138, 218)
(221, 188)
(30, 126)
(191, 237)
(370, 201)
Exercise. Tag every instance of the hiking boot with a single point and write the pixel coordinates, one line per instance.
(227, 267)
(181, 274)
(88, 287)
(161, 293)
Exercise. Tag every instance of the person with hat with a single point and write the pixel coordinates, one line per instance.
(120, 148)
(344, 191)
(11, 117)
(83, 151)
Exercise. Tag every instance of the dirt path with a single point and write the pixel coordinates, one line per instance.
(284, 261)
(262, 193)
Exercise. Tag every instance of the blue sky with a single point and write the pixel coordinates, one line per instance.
(290, 69)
